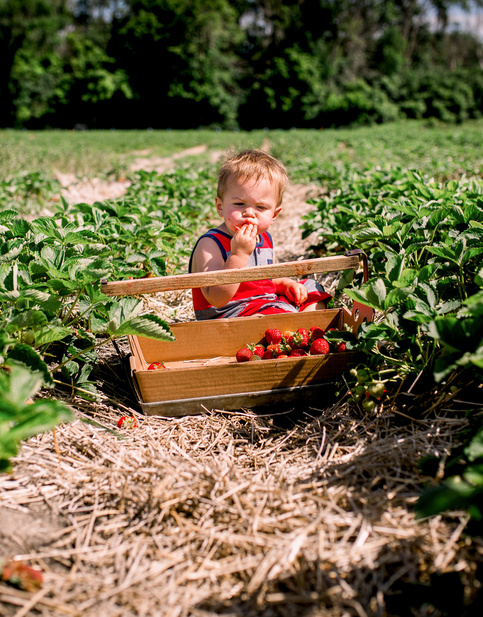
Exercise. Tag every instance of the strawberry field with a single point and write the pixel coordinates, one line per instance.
(367, 504)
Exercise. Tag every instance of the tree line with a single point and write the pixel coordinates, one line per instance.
(231, 64)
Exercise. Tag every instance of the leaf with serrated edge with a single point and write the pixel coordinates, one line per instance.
(149, 326)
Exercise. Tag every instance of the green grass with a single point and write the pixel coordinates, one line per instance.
(441, 150)
(29, 160)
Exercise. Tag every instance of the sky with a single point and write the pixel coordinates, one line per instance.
(464, 21)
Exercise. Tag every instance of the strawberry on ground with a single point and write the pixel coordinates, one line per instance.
(273, 336)
(319, 347)
(127, 422)
(243, 355)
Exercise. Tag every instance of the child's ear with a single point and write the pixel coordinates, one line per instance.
(219, 207)
(277, 211)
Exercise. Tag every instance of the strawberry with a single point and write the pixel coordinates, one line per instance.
(127, 422)
(243, 355)
(277, 349)
(297, 353)
(341, 347)
(369, 404)
(319, 347)
(255, 358)
(376, 389)
(273, 336)
(287, 334)
(315, 332)
(156, 366)
(256, 348)
(268, 355)
(299, 339)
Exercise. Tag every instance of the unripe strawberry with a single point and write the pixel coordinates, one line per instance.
(369, 404)
(377, 389)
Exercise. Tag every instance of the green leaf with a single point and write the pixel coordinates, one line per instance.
(149, 326)
(474, 450)
(406, 278)
(372, 293)
(18, 385)
(27, 356)
(50, 333)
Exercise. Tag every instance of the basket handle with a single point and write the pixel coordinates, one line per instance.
(222, 277)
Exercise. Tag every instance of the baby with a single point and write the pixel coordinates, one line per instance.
(251, 185)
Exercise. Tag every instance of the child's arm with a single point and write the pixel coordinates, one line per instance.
(207, 258)
(294, 291)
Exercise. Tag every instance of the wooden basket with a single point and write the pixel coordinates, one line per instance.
(202, 372)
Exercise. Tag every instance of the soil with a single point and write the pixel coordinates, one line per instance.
(305, 514)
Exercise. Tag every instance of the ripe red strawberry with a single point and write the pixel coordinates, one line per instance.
(319, 347)
(127, 422)
(297, 353)
(341, 347)
(268, 355)
(256, 348)
(277, 349)
(156, 366)
(299, 339)
(243, 355)
(273, 336)
(315, 333)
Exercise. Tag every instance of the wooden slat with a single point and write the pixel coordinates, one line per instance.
(223, 277)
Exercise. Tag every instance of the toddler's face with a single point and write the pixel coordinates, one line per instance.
(249, 201)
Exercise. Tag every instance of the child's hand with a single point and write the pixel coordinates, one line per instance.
(245, 239)
(295, 292)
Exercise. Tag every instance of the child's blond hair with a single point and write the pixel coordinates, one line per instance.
(252, 163)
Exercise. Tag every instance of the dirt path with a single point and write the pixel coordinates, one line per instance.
(285, 230)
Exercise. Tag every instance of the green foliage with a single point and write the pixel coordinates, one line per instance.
(22, 374)
(462, 485)
(192, 63)
(425, 246)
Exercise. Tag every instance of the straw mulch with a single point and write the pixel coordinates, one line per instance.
(305, 512)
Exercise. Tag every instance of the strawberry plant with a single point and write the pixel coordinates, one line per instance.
(20, 416)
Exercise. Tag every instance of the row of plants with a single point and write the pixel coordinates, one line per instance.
(424, 241)
(423, 235)
(53, 316)
(28, 159)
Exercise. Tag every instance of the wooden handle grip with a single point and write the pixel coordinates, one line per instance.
(223, 277)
